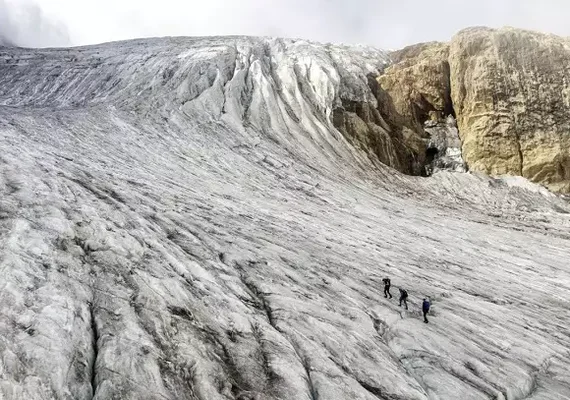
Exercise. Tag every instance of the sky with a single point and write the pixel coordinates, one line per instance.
(384, 24)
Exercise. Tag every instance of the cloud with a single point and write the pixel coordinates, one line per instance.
(23, 23)
(381, 23)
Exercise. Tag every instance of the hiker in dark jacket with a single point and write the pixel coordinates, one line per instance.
(425, 309)
(387, 287)
(404, 298)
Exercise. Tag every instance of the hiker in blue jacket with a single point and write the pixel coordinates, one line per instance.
(425, 309)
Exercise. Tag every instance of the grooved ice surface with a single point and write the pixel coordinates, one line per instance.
(179, 219)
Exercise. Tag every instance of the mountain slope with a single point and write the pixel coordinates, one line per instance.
(180, 219)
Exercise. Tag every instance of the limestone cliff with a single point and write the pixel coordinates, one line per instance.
(412, 90)
(509, 90)
(415, 94)
(368, 128)
(418, 83)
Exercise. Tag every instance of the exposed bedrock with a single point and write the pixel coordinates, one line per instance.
(507, 88)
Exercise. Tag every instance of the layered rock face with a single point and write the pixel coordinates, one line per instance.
(509, 91)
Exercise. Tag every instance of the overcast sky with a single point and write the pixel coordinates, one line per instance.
(386, 24)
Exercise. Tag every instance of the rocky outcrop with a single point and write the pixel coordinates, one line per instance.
(511, 91)
(371, 123)
(376, 133)
(415, 95)
(412, 92)
(417, 84)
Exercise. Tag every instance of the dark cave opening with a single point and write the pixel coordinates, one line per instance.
(431, 154)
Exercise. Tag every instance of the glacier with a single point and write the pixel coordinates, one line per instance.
(180, 219)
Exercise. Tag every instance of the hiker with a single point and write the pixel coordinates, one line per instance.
(404, 297)
(387, 287)
(425, 309)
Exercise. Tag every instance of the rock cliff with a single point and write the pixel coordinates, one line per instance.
(509, 90)
(417, 83)
(415, 94)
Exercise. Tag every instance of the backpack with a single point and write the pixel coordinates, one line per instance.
(404, 294)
